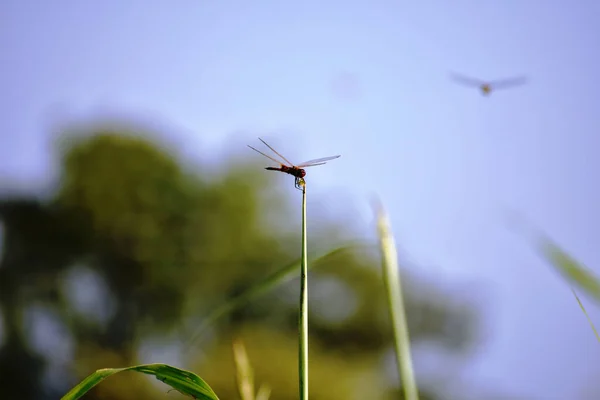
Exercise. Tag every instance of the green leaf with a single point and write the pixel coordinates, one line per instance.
(269, 283)
(185, 382)
(565, 264)
(571, 269)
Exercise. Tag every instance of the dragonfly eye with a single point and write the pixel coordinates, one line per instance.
(302, 173)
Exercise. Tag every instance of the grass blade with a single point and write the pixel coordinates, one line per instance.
(393, 286)
(303, 314)
(273, 280)
(245, 375)
(586, 315)
(571, 269)
(264, 393)
(185, 382)
(565, 264)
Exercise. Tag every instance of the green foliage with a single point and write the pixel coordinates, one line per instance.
(171, 245)
(183, 381)
(135, 196)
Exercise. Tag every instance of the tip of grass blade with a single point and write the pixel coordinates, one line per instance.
(572, 269)
(245, 376)
(264, 393)
(563, 262)
(391, 277)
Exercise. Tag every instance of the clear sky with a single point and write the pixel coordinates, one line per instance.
(446, 161)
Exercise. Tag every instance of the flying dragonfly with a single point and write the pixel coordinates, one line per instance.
(297, 171)
(487, 87)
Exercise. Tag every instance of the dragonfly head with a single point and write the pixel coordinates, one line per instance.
(302, 173)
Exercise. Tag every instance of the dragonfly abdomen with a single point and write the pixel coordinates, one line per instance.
(297, 172)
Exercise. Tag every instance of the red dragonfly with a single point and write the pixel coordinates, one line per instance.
(487, 87)
(297, 171)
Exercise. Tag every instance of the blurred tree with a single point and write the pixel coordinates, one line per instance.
(168, 244)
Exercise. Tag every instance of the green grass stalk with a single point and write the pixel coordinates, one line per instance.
(393, 286)
(303, 312)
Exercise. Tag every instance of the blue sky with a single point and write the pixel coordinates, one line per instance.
(447, 162)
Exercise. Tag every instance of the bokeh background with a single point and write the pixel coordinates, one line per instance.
(130, 205)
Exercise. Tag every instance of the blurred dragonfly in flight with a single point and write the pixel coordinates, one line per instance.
(487, 87)
(297, 171)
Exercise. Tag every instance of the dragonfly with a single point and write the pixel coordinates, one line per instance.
(297, 171)
(486, 87)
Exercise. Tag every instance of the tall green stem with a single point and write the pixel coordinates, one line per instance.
(303, 317)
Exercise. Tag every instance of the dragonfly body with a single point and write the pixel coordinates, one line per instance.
(294, 171)
(297, 171)
(487, 87)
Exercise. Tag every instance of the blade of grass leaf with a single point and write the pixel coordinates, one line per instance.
(264, 393)
(586, 315)
(245, 375)
(185, 382)
(565, 265)
(393, 286)
(269, 283)
(562, 262)
(571, 269)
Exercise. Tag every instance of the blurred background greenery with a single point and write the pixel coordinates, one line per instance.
(120, 261)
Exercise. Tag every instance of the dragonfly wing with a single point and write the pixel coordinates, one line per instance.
(276, 152)
(466, 80)
(312, 165)
(317, 161)
(269, 157)
(505, 83)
